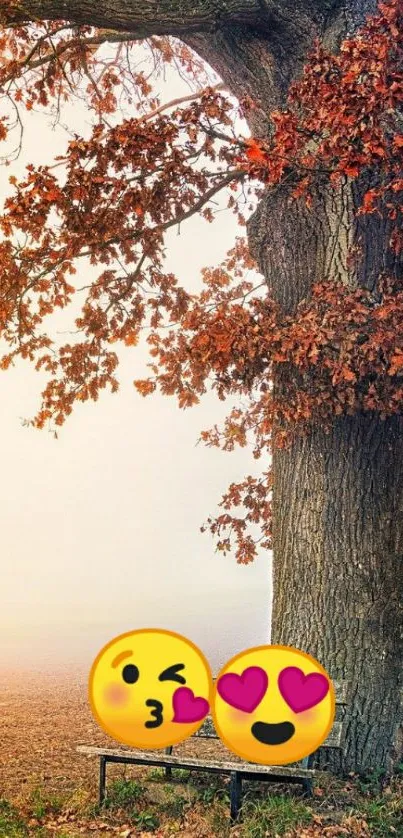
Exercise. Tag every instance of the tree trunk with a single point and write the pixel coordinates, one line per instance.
(338, 571)
(338, 498)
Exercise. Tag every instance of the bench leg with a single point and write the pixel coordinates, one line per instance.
(307, 786)
(235, 794)
(168, 769)
(102, 780)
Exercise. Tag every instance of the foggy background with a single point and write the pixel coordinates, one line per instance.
(100, 529)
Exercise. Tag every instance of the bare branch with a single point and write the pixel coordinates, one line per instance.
(179, 101)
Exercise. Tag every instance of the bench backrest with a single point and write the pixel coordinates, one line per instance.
(334, 740)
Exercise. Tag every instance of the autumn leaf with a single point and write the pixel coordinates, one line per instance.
(369, 200)
(347, 374)
(351, 170)
(131, 338)
(145, 388)
(396, 362)
(255, 152)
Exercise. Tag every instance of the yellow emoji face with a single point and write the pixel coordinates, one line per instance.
(273, 705)
(150, 688)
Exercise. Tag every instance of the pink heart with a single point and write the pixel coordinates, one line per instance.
(244, 692)
(187, 707)
(301, 692)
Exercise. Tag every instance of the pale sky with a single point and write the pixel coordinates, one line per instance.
(100, 529)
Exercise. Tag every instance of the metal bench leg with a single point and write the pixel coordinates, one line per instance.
(308, 788)
(235, 794)
(102, 780)
(307, 785)
(168, 769)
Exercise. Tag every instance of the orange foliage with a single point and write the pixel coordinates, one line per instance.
(113, 196)
(344, 118)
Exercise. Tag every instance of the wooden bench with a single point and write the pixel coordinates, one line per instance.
(301, 773)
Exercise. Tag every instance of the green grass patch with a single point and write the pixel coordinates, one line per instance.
(218, 817)
(174, 804)
(128, 795)
(209, 784)
(147, 821)
(123, 794)
(43, 804)
(11, 823)
(371, 783)
(384, 816)
(182, 774)
(210, 794)
(274, 816)
(345, 805)
(156, 774)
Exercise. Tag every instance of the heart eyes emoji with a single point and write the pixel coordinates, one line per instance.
(245, 692)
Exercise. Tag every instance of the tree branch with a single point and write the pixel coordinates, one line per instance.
(143, 19)
(232, 176)
(179, 101)
(169, 17)
(28, 63)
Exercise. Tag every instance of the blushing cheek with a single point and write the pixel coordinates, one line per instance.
(309, 717)
(238, 717)
(116, 695)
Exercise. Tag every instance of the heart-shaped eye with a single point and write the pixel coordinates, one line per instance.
(301, 692)
(245, 691)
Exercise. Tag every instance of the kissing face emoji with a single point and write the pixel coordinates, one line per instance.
(273, 705)
(150, 688)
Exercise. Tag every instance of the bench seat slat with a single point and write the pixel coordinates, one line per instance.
(341, 691)
(217, 765)
(334, 740)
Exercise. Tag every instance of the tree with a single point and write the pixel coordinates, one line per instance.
(318, 355)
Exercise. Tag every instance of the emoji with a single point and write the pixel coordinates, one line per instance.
(273, 705)
(150, 688)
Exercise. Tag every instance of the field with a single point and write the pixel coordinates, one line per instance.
(46, 789)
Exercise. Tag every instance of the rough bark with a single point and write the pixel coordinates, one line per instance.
(338, 497)
(338, 571)
(171, 17)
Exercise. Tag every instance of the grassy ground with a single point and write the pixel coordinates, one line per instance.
(50, 790)
(197, 806)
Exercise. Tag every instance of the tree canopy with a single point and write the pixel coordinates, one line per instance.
(111, 197)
